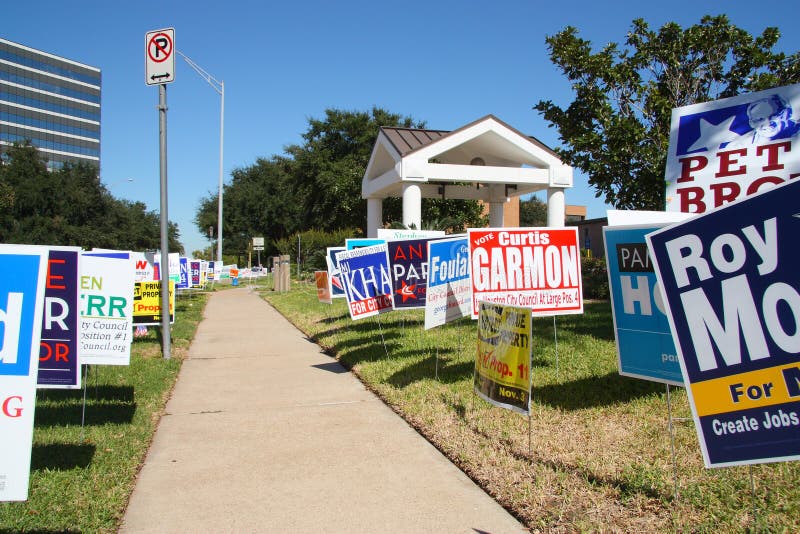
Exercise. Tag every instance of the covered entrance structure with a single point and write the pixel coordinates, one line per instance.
(486, 160)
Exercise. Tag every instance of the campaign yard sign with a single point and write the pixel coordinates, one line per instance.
(726, 149)
(323, 293)
(59, 367)
(732, 288)
(449, 291)
(361, 242)
(144, 267)
(367, 282)
(21, 307)
(644, 340)
(335, 284)
(183, 273)
(404, 233)
(408, 260)
(539, 268)
(195, 280)
(106, 294)
(502, 363)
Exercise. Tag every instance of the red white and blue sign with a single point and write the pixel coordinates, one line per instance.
(194, 274)
(59, 367)
(21, 308)
(727, 149)
(367, 280)
(335, 284)
(408, 259)
(732, 287)
(449, 291)
(644, 340)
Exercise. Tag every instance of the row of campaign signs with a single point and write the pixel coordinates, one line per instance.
(705, 295)
(61, 308)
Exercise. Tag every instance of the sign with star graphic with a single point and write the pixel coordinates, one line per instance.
(731, 148)
(408, 260)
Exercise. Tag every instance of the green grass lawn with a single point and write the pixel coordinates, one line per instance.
(596, 452)
(81, 478)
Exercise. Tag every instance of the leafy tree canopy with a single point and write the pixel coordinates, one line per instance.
(315, 185)
(70, 206)
(617, 128)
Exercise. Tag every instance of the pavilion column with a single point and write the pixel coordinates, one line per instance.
(412, 205)
(555, 207)
(374, 216)
(496, 214)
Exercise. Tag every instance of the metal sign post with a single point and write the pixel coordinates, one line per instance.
(160, 69)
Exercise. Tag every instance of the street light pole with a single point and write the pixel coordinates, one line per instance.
(219, 87)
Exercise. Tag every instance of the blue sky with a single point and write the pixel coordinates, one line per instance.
(443, 62)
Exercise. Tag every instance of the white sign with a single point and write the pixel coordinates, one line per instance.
(21, 308)
(159, 56)
(106, 294)
(731, 148)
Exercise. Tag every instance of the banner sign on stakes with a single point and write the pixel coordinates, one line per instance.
(335, 284)
(449, 292)
(361, 242)
(389, 233)
(323, 293)
(538, 268)
(502, 363)
(195, 280)
(367, 282)
(59, 367)
(183, 274)
(408, 259)
(106, 292)
(644, 340)
(147, 303)
(21, 308)
(730, 279)
(726, 149)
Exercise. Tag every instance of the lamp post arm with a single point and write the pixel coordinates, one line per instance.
(219, 87)
(213, 82)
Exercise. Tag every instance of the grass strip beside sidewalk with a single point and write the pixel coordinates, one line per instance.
(83, 485)
(599, 455)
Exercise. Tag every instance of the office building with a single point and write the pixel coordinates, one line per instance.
(51, 101)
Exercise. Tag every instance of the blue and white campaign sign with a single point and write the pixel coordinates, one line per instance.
(59, 367)
(732, 287)
(335, 284)
(21, 308)
(644, 340)
(367, 282)
(408, 260)
(183, 273)
(106, 293)
(726, 149)
(361, 242)
(449, 293)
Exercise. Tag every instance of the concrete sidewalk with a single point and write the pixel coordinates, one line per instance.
(265, 433)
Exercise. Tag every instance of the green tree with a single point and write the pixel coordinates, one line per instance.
(70, 206)
(532, 212)
(316, 185)
(617, 127)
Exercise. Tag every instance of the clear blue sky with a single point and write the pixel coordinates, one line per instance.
(444, 62)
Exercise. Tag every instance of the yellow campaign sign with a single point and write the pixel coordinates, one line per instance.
(147, 302)
(502, 362)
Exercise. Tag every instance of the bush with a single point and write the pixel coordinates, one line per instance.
(595, 278)
(313, 245)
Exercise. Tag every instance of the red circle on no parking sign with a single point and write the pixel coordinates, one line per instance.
(159, 44)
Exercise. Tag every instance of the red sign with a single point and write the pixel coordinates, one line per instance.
(537, 268)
